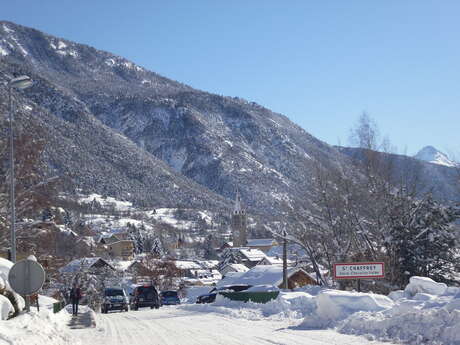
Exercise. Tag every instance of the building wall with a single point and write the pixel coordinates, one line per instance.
(299, 279)
(122, 249)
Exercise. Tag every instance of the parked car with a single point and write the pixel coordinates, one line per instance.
(145, 296)
(114, 299)
(169, 297)
(211, 295)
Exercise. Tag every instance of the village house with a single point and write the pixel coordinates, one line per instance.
(115, 246)
(86, 265)
(233, 268)
(275, 260)
(133, 269)
(273, 275)
(243, 255)
(263, 244)
(122, 249)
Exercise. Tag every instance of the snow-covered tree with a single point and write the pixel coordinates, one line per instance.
(423, 242)
(157, 248)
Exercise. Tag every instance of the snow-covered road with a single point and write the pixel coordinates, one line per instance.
(179, 326)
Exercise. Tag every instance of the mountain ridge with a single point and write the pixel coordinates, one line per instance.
(219, 142)
(432, 155)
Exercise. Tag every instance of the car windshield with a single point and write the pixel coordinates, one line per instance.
(169, 293)
(147, 291)
(114, 292)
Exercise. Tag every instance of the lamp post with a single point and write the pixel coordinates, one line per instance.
(285, 278)
(20, 83)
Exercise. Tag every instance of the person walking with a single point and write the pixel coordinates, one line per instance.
(75, 295)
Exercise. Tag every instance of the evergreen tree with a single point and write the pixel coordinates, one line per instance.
(423, 241)
(229, 256)
(157, 248)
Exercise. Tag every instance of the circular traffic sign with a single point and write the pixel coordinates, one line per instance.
(26, 277)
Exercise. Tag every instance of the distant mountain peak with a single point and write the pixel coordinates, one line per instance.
(432, 155)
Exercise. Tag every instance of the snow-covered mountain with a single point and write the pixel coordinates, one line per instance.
(121, 130)
(440, 180)
(432, 155)
(115, 128)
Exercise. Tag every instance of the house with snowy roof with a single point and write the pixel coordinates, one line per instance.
(92, 264)
(233, 268)
(242, 255)
(275, 260)
(263, 244)
(273, 275)
(208, 264)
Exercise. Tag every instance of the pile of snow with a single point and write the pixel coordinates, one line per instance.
(6, 308)
(37, 328)
(334, 305)
(192, 292)
(424, 285)
(288, 305)
(425, 312)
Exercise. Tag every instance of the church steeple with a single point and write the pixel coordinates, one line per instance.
(239, 222)
(238, 209)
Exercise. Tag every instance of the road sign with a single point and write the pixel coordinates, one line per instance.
(359, 270)
(26, 277)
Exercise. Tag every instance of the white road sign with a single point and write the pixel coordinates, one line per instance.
(357, 270)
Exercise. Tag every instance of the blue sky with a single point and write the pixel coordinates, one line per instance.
(321, 63)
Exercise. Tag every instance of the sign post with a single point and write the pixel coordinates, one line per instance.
(359, 270)
(26, 277)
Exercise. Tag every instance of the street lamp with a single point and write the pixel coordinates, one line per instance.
(19, 83)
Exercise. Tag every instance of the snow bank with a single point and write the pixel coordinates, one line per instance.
(288, 305)
(334, 305)
(45, 301)
(192, 292)
(424, 285)
(5, 266)
(38, 328)
(425, 312)
(6, 308)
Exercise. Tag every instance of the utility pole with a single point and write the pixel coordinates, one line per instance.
(285, 278)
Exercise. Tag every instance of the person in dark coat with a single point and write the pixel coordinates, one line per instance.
(75, 295)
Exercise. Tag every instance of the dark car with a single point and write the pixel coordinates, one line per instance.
(145, 296)
(169, 297)
(211, 295)
(114, 299)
